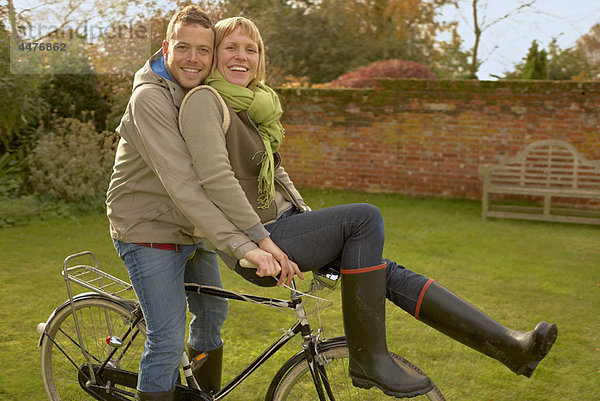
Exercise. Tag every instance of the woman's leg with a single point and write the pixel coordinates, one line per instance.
(403, 286)
(157, 278)
(521, 352)
(439, 308)
(407, 289)
(354, 236)
(350, 234)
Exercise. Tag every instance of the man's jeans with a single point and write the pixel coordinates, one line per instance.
(158, 278)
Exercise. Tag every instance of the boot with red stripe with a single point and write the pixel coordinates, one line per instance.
(521, 352)
(363, 300)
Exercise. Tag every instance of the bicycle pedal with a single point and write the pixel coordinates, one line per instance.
(198, 360)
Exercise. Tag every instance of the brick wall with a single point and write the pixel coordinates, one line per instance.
(427, 138)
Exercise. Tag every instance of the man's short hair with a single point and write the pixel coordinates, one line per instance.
(190, 14)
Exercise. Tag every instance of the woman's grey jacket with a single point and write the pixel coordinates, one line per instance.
(227, 148)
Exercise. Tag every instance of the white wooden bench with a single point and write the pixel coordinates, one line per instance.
(551, 170)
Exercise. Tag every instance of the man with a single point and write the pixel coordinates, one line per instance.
(152, 208)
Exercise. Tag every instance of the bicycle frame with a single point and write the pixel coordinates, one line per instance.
(301, 326)
(103, 284)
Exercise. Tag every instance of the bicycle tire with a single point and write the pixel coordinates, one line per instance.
(98, 318)
(294, 382)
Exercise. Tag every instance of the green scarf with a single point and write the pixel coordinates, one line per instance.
(263, 107)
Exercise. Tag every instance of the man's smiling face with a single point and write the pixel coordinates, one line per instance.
(189, 53)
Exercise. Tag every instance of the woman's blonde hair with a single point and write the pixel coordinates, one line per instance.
(226, 26)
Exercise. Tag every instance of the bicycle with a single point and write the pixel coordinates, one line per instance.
(92, 343)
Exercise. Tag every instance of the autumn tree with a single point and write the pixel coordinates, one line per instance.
(21, 107)
(449, 61)
(589, 46)
(37, 85)
(322, 40)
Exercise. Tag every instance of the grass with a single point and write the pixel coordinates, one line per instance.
(518, 272)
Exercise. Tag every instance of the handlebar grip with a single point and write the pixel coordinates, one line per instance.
(247, 270)
(246, 263)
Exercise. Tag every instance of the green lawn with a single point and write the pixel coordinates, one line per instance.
(518, 272)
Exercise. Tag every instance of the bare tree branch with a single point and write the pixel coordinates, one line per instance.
(509, 14)
(479, 26)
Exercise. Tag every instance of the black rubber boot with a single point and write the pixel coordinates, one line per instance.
(363, 300)
(453, 316)
(155, 396)
(207, 368)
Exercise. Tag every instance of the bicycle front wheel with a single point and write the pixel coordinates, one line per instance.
(62, 361)
(297, 383)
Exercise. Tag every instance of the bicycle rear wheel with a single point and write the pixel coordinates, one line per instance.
(295, 383)
(62, 362)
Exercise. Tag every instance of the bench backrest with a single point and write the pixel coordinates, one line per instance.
(547, 164)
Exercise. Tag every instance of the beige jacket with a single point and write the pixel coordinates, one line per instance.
(228, 159)
(155, 193)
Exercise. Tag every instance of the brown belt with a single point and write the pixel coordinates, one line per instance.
(154, 245)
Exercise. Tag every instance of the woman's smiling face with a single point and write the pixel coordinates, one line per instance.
(237, 58)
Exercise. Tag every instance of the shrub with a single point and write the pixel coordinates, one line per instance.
(364, 77)
(12, 173)
(75, 96)
(72, 162)
(18, 211)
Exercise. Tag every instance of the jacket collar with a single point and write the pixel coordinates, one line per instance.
(146, 75)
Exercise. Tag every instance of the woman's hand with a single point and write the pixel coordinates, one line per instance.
(288, 268)
(266, 264)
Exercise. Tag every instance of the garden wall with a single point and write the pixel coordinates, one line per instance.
(427, 137)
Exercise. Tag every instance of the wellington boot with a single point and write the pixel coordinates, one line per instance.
(363, 300)
(207, 368)
(519, 351)
(155, 396)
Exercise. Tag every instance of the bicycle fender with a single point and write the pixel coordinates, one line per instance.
(67, 303)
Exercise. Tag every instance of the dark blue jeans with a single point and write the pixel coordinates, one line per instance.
(348, 236)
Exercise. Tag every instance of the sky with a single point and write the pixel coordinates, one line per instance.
(506, 43)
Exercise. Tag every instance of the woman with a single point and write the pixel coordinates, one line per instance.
(234, 136)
